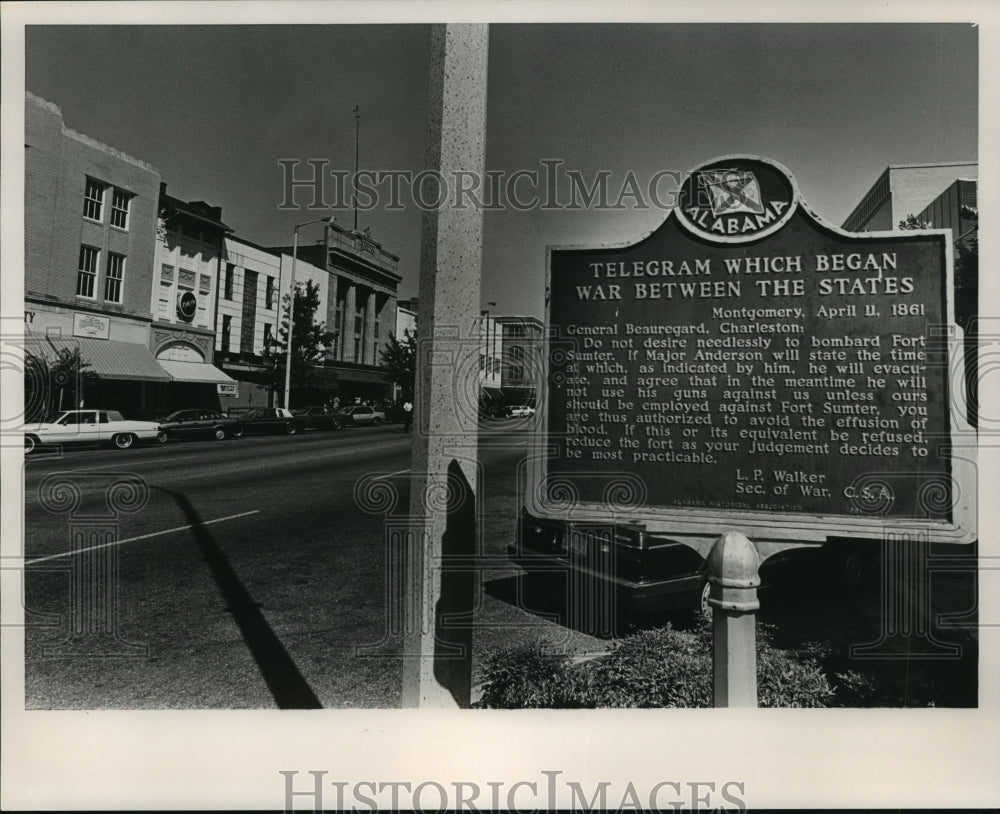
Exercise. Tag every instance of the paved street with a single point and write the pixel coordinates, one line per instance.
(246, 579)
(251, 575)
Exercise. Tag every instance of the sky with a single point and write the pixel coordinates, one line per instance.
(215, 108)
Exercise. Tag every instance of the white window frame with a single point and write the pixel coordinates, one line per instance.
(121, 202)
(94, 201)
(89, 274)
(119, 268)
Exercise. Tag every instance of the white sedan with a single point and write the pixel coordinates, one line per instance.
(520, 411)
(91, 427)
(359, 415)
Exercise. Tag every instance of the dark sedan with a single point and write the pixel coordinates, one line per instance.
(650, 573)
(200, 423)
(264, 420)
(316, 418)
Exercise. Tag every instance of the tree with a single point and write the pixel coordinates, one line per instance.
(55, 384)
(911, 222)
(310, 340)
(400, 357)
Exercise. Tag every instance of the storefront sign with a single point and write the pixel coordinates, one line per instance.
(745, 358)
(187, 305)
(228, 389)
(91, 325)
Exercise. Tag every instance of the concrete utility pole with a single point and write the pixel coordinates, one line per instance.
(438, 631)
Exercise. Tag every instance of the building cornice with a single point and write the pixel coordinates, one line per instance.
(52, 302)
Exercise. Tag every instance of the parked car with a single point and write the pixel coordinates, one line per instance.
(316, 418)
(200, 423)
(519, 411)
(264, 420)
(90, 427)
(650, 573)
(360, 415)
(394, 411)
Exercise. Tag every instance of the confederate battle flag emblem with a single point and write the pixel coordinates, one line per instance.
(732, 191)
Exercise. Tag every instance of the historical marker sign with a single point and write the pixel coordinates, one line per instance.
(746, 360)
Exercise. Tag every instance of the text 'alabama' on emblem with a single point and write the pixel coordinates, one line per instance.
(737, 199)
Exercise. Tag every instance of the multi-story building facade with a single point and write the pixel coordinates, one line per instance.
(360, 307)
(957, 208)
(406, 325)
(247, 319)
(491, 338)
(406, 318)
(149, 288)
(521, 358)
(90, 215)
(189, 249)
(251, 309)
(902, 190)
(490, 355)
(938, 196)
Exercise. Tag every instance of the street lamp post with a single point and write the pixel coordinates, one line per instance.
(291, 307)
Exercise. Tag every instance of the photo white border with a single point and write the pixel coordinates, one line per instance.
(225, 759)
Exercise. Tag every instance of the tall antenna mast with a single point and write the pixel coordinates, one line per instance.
(357, 152)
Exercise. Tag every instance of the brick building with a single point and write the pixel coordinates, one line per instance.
(90, 215)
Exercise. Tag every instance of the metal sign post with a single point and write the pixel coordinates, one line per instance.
(733, 577)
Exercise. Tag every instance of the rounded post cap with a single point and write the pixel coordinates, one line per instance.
(733, 562)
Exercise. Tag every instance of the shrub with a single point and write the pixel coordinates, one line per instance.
(524, 677)
(654, 668)
(662, 667)
(897, 682)
(789, 680)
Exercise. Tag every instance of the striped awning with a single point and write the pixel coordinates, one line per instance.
(200, 372)
(125, 361)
